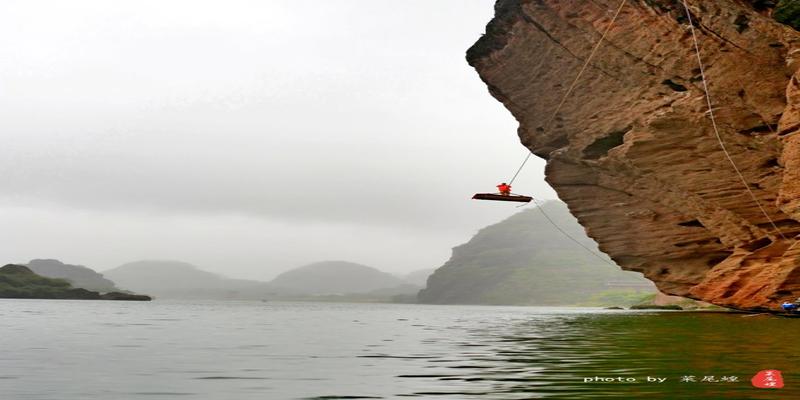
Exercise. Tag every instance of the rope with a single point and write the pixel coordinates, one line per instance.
(553, 117)
(710, 112)
(572, 86)
(792, 246)
(541, 210)
(714, 123)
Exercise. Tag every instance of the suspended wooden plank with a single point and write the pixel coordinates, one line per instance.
(501, 197)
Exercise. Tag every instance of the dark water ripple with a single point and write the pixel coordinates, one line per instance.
(551, 357)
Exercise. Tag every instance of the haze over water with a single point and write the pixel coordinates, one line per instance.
(253, 350)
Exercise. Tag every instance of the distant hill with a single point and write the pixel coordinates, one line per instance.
(20, 282)
(326, 281)
(419, 277)
(174, 279)
(525, 260)
(78, 275)
(335, 277)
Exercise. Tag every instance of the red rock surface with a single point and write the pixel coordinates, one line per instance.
(632, 151)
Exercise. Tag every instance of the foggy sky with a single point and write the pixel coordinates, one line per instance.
(248, 137)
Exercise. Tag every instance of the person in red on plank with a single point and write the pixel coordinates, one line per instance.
(505, 189)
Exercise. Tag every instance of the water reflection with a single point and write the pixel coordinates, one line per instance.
(240, 350)
(552, 357)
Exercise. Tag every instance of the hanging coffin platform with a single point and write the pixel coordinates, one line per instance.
(501, 197)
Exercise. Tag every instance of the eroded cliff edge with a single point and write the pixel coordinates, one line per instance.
(632, 151)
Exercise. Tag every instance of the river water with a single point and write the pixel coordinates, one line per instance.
(252, 350)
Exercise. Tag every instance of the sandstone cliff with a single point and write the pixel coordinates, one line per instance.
(632, 151)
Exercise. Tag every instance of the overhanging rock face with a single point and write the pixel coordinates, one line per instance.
(632, 151)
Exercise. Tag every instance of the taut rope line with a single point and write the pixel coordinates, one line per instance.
(714, 123)
(572, 86)
(539, 207)
(553, 117)
(710, 112)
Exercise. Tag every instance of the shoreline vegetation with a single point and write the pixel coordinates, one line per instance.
(19, 282)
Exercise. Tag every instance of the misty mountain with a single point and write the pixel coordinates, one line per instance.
(179, 280)
(174, 279)
(419, 277)
(335, 277)
(525, 260)
(77, 275)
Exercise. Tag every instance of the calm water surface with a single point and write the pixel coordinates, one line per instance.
(252, 350)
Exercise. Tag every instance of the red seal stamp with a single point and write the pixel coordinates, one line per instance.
(768, 379)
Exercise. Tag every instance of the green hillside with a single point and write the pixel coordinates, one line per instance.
(19, 282)
(525, 260)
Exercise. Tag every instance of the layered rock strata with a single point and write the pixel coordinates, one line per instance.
(632, 151)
